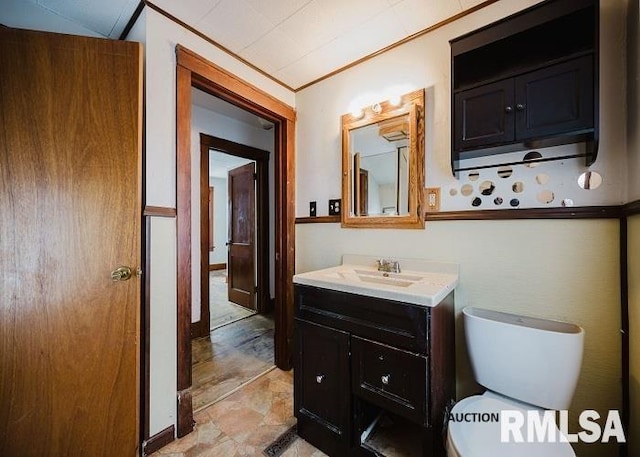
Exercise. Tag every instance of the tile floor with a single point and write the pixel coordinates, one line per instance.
(244, 423)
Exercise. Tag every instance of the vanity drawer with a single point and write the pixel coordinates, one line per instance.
(390, 378)
(395, 323)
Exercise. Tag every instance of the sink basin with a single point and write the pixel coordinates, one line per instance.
(390, 279)
(422, 282)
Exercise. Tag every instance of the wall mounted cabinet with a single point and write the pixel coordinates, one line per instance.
(529, 80)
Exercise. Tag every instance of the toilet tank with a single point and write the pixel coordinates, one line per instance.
(533, 360)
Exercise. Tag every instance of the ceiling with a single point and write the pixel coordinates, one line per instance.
(294, 41)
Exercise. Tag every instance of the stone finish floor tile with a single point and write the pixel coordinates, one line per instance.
(245, 423)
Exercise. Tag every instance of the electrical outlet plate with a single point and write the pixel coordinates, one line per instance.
(312, 209)
(334, 207)
(432, 199)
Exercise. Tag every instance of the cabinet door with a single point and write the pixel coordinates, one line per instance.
(322, 399)
(557, 99)
(484, 116)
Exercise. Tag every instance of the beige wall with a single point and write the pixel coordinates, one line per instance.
(567, 269)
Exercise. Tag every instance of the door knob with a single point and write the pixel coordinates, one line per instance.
(121, 273)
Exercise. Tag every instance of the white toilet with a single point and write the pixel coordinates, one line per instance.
(527, 364)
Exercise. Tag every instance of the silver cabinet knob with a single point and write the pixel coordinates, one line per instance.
(319, 378)
(519, 106)
(385, 379)
(508, 109)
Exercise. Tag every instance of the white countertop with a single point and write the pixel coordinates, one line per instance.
(420, 282)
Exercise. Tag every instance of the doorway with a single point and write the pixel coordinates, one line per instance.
(194, 71)
(238, 345)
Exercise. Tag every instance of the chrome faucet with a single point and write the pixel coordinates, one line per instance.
(388, 265)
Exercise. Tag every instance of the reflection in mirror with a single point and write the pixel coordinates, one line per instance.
(505, 172)
(466, 190)
(383, 164)
(542, 178)
(545, 196)
(487, 187)
(590, 180)
(381, 158)
(529, 156)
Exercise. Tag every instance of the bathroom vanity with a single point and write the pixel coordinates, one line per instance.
(375, 359)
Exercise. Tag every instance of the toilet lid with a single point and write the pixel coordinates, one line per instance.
(474, 438)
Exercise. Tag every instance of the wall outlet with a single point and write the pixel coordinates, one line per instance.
(312, 209)
(334, 207)
(432, 199)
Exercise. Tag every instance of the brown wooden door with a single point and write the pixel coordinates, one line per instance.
(70, 125)
(242, 224)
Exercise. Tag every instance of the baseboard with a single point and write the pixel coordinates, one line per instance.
(217, 266)
(159, 440)
(199, 329)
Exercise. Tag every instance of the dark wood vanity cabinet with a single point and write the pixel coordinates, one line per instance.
(322, 401)
(359, 358)
(528, 80)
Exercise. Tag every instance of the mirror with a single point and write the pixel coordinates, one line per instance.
(383, 165)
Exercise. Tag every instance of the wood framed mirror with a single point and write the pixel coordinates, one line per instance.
(383, 164)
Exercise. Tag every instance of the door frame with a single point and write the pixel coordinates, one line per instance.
(193, 70)
(261, 158)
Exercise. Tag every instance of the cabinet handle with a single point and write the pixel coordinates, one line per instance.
(319, 378)
(508, 109)
(385, 379)
(519, 106)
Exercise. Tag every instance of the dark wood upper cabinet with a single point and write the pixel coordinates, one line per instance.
(529, 80)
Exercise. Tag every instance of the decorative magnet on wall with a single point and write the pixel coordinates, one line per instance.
(312, 209)
(334, 207)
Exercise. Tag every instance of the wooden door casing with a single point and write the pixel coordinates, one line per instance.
(242, 226)
(70, 206)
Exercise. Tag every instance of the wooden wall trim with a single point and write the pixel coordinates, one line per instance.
(230, 84)
(582, 212)
(318, 220)
(158, 441)
(183, 228)
(159, 211)
(632, 208)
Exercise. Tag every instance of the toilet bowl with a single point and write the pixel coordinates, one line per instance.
(528, 365)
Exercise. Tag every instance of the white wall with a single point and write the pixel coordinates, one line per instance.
(220, 224)
(563, 269)
(162, 36)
